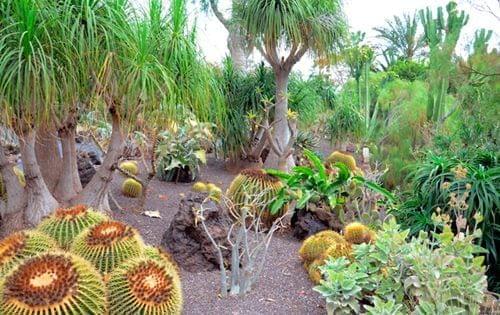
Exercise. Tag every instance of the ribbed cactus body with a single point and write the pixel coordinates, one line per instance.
(255, 190)
(131, 188)
(53, 283)
(314, 246)
(21, 245)
(145, 285)
(344, 158)
(130, 166)
(108, 244)
(66, 223)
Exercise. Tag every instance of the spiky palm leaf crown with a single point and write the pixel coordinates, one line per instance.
(108, 244)
(66, 223)
(145, 285)
(256, 188)
(21, 245)
(55, 283)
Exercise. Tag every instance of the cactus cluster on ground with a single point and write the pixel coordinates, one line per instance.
(318, 248)
(78, 261)
(214, 191)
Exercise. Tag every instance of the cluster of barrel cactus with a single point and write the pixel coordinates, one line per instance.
(78, 261)
(317, 248)
(131, 187)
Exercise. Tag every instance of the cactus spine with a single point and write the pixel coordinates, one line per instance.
(131, 188)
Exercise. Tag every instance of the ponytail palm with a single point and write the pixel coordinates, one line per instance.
(297, 27)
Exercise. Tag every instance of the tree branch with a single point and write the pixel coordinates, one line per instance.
(219, 14)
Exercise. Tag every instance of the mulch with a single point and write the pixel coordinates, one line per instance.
(283, 287)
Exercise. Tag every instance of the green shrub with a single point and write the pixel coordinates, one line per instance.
(408, 70)
(407, 276)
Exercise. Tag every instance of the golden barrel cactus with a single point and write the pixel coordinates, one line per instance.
(131, 188)
(344, 158)
(21, 245)
(255, 189)
(66, 223)
(130, 166)
(357, 233)
(53, 283)
(314, 246)
(145, 285)
(108, 244)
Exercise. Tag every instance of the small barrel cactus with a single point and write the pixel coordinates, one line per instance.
(335, 250)
(131, 188)
(108, 244)
(66, 223)
(347, 159)
(130, 166)
(200, 187)
(21, 245)
(255, 189)
(357, 233)
(313, 270)
(53, 283)
(314, 246)
(145, 285)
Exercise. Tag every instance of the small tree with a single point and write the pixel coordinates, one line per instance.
(296, 27)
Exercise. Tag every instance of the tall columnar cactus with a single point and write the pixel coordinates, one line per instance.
(108, 244)
(21, 245)
(442, 36)
(145, 285)
(53, 283)
(256, 189)
(66, 223)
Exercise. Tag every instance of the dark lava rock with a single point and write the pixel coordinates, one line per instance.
(306, 223)
(86, 168)
(187, 241)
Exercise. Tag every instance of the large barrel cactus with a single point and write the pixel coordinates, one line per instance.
(22, 245)
(315, 245)
(255, 189)
(65, 224)
(53, 283)
(108, 244)
(145, 285)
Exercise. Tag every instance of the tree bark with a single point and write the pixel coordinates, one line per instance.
(12, 208)
(237, 45)
(281, 130)
(69, 181)
(40, 201)
(95, 194)
(48, 156)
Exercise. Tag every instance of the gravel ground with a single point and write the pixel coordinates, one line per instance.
(283, 287)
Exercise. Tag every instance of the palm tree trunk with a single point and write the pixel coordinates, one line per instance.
(69, 181)
(236, 43)
(12, 208)
(95, 194)
(48, 156)
(40, 201)
(281, 130)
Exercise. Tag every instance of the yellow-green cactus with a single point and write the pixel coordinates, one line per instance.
(144, 285)
(338, 156)
(357, 233)
(53, 283)
(313, 270)
(66, 223)
(21, 245)
(314, 246)
(158, 253)
(200, 187)
(130, 166)
(131, 188)
(108, 244)
(255, 189)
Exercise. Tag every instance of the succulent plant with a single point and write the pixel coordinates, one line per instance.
(257, 189)
(108, 244)
(66, 223)
(337, 250)
(158, 253)
(344, 158)
(313, 270)
(357, 233)
(200, 187)
(21, 245)
(53, 283)
(131, 188)
(313, 247)
(130, 166)
(144, 285)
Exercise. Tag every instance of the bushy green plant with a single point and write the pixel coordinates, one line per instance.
(408, 70)
(320, 185)
(458, 187)
(180, 152)
(426, 275)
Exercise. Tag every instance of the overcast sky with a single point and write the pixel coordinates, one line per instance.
(363, 15)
